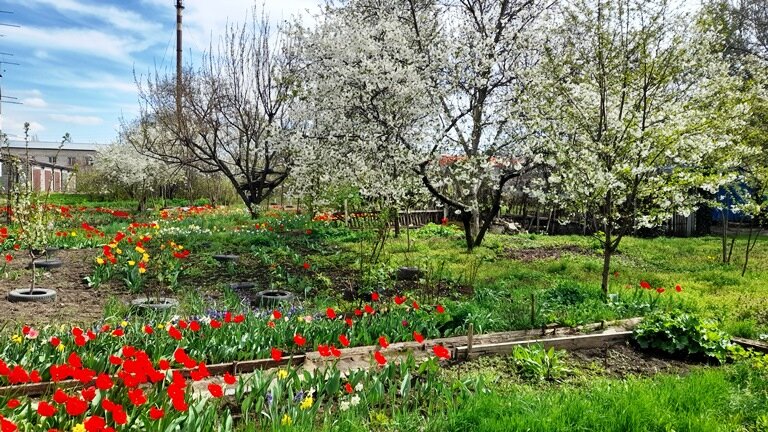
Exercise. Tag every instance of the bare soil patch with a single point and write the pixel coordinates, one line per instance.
(620, 361)
(548, 252)
(76, 303)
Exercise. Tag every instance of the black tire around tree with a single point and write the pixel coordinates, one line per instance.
(50, 263)
(269, 298)
(38, 295)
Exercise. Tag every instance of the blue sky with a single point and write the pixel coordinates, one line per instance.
(77, 57)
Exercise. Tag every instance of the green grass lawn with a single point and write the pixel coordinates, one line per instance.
(707, 400)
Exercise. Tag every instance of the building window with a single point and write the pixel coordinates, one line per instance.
(71, 160)
(52, 159)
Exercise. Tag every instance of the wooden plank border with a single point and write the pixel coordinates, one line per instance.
(568, 343)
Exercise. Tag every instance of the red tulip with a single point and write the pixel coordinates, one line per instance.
(418, 337)
(76, 406)
(344, 340)
(299, 340)
(383, 341)
(45, 409)
(215, 390)
(174, 333)
(277, 355)
(441, 352)
(156, 413)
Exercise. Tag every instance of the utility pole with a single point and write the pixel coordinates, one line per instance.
(179, 8)
(179, 93)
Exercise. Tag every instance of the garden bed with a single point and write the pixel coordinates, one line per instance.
(546, 252)
(75, 303)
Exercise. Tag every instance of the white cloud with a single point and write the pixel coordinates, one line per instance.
(78, 120)
(118, 18)
(35, 102)
(205, 21)
(14, 128)
(79, 40)
(105, 82)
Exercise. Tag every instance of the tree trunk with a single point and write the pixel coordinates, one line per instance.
(466, 219)
(751, 242)
(34, 275)
(607, 253)
(475, 223)
(724, 235)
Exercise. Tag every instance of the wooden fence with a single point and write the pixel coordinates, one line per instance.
(412, 218)
(533, 217)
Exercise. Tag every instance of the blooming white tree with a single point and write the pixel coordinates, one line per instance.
(236, 112)
(437, 87)
(122, 168)
(743, 27)
(635, 101)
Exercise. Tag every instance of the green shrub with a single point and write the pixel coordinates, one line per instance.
(431, 230)
(538, 364)
(683, 333)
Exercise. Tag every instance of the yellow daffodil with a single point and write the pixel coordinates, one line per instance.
(131, 262)
(100, 261)
(17, 339)
(287, 420)
(140, 249)
(282, 374)
(307, 403)
(78, 428)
